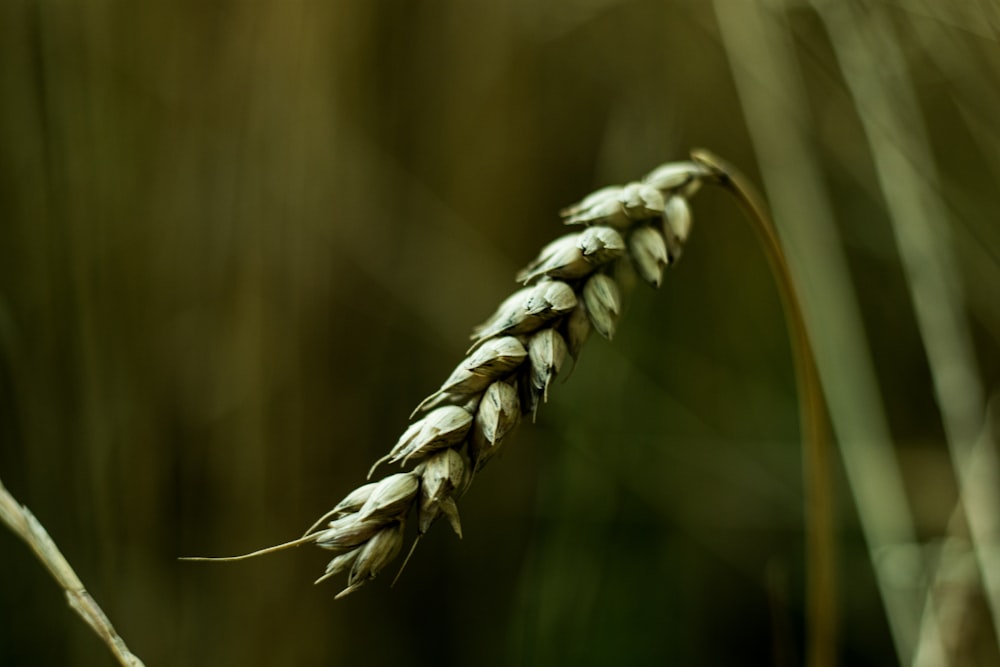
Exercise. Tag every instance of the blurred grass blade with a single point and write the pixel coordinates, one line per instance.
(876, 74)
(23, 523)
(773, 102)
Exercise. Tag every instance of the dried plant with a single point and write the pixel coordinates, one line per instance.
(574, 286)
(23, 523)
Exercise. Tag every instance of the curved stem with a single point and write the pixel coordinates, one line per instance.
(821, 579)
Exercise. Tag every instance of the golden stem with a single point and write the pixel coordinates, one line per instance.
(820, 553)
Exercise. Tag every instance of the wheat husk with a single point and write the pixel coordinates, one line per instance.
(575, 285)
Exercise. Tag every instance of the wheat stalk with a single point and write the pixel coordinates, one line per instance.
(570, 289)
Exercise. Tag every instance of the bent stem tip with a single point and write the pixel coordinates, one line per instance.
(819, 504)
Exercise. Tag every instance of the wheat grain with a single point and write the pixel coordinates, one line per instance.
(570, 289)
(602, 300)
(516, 353)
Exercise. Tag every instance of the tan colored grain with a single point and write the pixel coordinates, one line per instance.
(572, 287)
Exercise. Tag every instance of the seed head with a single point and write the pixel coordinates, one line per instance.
(572, 287)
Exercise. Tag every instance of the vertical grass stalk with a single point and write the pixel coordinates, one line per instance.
(874, 69)
(774, 102)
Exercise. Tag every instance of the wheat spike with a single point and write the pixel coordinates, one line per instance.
(517, 352)
(570, 288)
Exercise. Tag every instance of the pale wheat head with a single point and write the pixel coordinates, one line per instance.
(570, 289)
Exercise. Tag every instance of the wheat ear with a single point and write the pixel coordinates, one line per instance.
(570, 289)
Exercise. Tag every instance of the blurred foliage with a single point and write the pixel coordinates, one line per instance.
(239, 241)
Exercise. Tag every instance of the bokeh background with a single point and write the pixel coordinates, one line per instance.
(239, 241)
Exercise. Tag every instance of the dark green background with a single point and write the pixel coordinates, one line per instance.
(239, 241)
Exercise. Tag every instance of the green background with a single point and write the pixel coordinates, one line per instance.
(240, 241)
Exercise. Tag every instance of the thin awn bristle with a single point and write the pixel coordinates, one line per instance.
(569, 290)
(319, 522)
(409, 554)
(260, 552)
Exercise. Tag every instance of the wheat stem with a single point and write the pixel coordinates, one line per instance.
(820, 543)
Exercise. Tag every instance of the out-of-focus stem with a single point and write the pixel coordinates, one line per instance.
(874, 69)
(24, 524)
(773, 99)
